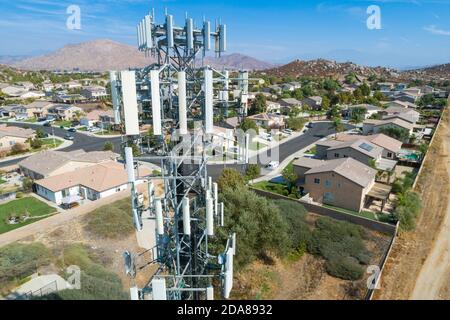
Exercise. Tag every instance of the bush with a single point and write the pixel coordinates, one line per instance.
(97, 283)
(108, 146)
(257, 222)
(21, 260)
(18, 148)
(337, 242)
(230, 178)
(407, 210)
(346, 268)
(112, 221)
(294, 215)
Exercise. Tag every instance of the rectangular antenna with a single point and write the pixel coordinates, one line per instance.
(170, 36)
(209, 96)
(182, 104)
(190, 33)
(159, 289)
(148, 32)
(156, 102)
(115, 96)
(186, 217)
(223, 38)
(228, 283)
(130, 106)
(159, 217)
(207, 36)
(209, 216)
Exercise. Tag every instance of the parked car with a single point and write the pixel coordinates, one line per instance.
(68, 206)
(273, 165)
(73, 130)
(69, 137)
(75, 123)
(47, 124)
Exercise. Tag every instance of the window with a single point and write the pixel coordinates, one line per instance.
(389, 155)
(336, 155)
(339, 185)
(328, 183)
(317, 181)
(328, 197)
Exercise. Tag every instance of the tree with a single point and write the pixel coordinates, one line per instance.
(18, 148)
(230, 178)
(40, 133)
(407, 209)
(257, 223)
(358, 115)
(337, 125)
(27, 184)
(290, 176)
(108, 146)
(253, 171)
(396, 133)
(326, 103)
(423, 148)
(259, 105)
(296, 124)
(365, 89)
(249, 124)
(36, 143)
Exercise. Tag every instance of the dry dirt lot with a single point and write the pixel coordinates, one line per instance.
(418, 267)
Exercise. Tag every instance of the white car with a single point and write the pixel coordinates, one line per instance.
(273, 165)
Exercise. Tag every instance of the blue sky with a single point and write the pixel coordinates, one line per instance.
(414, 32)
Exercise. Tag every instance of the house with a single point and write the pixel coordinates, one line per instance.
(13, 91)
(92, 183)
(63, 111)
(13, 111)
(391, 147)
(72, 85)
(288, 87)
(98, 117)
(223, 139)
(414, 91)
(343, 183)
(68, 98)
(410, 97)
(27, 85)
(401, 86)
(38, 108)
(314, 102)
(276, 89)
(402, 116)
(410, 114)
(94, 92)
(369, 109)
(360, 149)
(273, 107)
(10, 136)
(31, 95)
(402, 104)
(289, 103)
(268, 120)
(50, 163)
(386, 86)
(375, 126)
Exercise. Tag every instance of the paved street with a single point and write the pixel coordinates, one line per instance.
(90, 143)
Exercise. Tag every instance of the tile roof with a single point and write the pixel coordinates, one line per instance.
(349, 168)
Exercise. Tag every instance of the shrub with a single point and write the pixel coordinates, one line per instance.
(21, 260)
(257, 222)
(407, 210)
(230, 178)
(346, 268)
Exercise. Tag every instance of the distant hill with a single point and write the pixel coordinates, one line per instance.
(103, 55)
(327, 68)
(437, 72)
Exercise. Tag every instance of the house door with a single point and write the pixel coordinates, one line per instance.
(83, 193)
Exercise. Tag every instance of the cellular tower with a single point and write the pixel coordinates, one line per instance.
(179, 96)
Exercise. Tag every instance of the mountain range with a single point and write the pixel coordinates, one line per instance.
(103, 55)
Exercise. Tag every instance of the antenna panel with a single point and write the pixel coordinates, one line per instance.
(182, 105)
(159, 289)
(190, 33)
(170, 35)
(129, 99)
(209, 96)
(115, 96)
(156, 102)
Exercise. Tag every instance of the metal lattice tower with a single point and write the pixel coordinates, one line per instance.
(176, 95)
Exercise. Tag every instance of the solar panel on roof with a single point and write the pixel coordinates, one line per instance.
(366, 147)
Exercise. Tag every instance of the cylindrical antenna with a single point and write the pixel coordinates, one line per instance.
(210, 293)
(209, 216)
(129, 161)
(222, 218)
(159, 217)
(182, 105)
(216, 198)
(151, 190)
(186, 217)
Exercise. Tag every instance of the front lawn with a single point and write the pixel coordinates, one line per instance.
(255, 146)
(32, 207)
(63, 123)
(365, 214)
(50, 143)
(277, 188)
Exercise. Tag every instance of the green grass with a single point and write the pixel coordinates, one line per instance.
(365, 214)
(63, 123)
(49, 142)
(113, 221)
(312, 151)
(277, 188)
(108, 133)
(36, 209)
(32, 120)
(2, 181)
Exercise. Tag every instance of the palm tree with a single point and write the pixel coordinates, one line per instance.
(337, 125)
